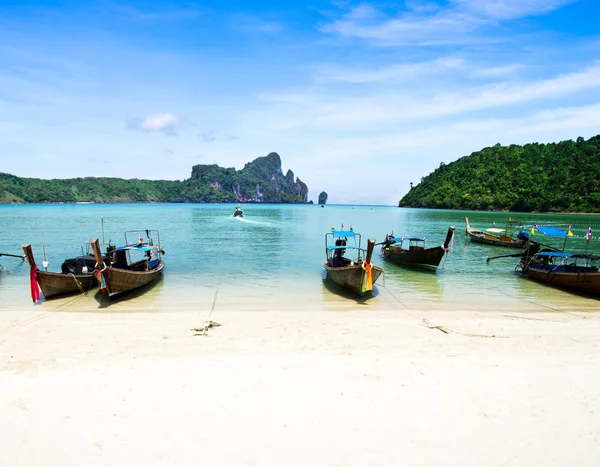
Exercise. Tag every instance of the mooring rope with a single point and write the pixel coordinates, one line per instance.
(208, 323)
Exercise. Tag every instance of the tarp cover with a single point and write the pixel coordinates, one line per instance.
(343, 233)
(557, 254)
(133, 247)
(552, 231)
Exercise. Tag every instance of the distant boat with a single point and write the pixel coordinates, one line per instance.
(130, 266)
(411, 251)
(238, 212)
(76, 276)
(497, 237)
(356, 274)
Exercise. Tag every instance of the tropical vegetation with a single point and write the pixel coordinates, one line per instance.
(259, 181)
(555, 177)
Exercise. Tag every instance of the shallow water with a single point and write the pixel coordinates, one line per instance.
(272, 258)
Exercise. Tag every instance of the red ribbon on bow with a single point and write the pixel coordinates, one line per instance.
(33, 282)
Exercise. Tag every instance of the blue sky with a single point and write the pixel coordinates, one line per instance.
(358, 98)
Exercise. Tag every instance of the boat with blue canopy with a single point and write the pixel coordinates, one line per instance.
(411, 251)
(572, 271)
(130, 266)
(356, 271)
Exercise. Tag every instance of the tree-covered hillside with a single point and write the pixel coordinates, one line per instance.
(259, 181)
(561, 176)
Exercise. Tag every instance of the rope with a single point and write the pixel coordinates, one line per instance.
(78, 283)
(443, 329)
(208, 323)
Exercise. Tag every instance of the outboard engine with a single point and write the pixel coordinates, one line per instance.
(339, 253)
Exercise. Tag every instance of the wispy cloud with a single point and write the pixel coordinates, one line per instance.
(496, 71)
(396, 72)
(153, 14)
(427, 23)
(160, 123)
(256, 24)
(208, 136)
(398, 106)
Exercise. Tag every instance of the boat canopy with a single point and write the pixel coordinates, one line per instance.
(342, 247)
(342, 233)
(495, 230)
(552, 231)
(134, 247)
(557, 254)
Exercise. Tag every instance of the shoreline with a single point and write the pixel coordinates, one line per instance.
(361, 387)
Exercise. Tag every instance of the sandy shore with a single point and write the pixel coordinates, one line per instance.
(397, 387)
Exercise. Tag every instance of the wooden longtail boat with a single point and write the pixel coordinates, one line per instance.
(76, 276)
(415, 254)
(496, 237)
(124, 271)
(357, 275)
(570, 271)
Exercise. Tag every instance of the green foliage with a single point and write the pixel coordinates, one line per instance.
(554, 177)
(259, 181)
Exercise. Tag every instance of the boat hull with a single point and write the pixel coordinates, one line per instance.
(587, 282)
(429, 258)
(55, 284)
(351, 277)
(492, 240)
(478, 236)
(119, 281)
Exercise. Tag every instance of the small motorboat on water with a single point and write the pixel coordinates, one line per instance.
(238, 212)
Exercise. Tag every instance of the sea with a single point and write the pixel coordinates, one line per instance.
(272, 258)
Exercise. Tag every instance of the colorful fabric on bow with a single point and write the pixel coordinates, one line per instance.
(367, 277)
(33, 283)
(100, 276)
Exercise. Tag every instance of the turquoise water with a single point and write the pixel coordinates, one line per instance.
(272, 258)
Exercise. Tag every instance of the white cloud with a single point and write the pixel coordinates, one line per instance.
(509, 9)
(496, 71)
(208, 136)
(425, 23)
(374, 107)
(397, 72)
(166, 123)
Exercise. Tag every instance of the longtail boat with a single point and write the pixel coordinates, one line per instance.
(129, 266)
(355, 274)
(497, 237)
(571, 271)
(411, 251)
(76, 276)
(238, 212)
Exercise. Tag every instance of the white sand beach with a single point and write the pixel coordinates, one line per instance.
(395, 387)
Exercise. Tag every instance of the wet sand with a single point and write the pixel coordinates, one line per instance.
(359, 386)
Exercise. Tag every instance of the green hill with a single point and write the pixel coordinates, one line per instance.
(555, 177)
(259, 181)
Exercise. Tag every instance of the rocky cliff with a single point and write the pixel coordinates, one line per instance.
(259, 181)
